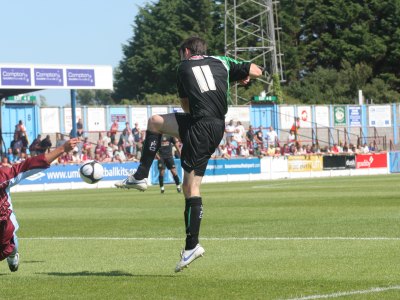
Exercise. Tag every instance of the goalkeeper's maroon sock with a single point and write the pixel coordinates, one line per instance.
(150, 147)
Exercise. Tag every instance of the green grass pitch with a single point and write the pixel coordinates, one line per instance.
(286, 239)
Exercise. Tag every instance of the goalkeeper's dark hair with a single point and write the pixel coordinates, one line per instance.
(196, 45)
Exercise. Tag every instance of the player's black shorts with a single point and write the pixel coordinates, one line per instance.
(200, 138)
(166, 162)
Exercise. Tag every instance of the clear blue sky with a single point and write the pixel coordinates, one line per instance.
(65, 32)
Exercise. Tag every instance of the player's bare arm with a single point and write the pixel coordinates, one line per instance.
(185, 104)
(67, 147)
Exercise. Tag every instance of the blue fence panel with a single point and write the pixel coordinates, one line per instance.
(394, 160)
(70, 173)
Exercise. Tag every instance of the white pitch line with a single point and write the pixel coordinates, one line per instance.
(221, 239)
(350, 293)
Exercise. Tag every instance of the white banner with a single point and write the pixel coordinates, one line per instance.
(322, 116)
(96, 119)
(68, 118)
(238, 113)
(50, 120)
(159, 110)
(380, 116)
(286, 114)
(304, 113)
(139, 115)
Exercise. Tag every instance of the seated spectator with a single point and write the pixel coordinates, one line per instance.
(244, 151)
(100, 148)
(5, 162)
(87, 146)
(365, 148)
(75, 157)
(116, 157)
(271, 150)
(224, 152)
(291, 139)
(334, 149)
(85, 156)
(231, 149)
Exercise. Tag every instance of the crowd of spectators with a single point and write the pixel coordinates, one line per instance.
(126, 145)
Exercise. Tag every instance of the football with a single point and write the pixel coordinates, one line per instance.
(91, 172)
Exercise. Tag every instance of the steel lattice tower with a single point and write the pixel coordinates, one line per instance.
(252, 33)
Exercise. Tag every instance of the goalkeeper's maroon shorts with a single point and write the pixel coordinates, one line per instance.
(6, 238)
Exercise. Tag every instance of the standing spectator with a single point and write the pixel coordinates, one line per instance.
(229, 130)
(240, 134)
(114, 130)
(137, 133)
(79, 128)
(296, 125)
(20, 130)
(272, 137)
(128, 140)
(45, 144)
(250, 139)
(259, 139)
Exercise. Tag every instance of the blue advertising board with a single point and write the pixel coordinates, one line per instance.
(70, 173)
(394, 160)
(233, 166)
(168, 175)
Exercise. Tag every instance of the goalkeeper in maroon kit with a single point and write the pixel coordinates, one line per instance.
(9, 177)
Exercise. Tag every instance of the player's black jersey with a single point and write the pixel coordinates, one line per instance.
(205, 82)
(165, 150)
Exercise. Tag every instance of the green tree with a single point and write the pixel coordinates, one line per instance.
(151, 56)
(94, 97)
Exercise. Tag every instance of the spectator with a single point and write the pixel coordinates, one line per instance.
(79, 128)
(20, 131)
(87, 147)
(5, 162)
(120, 152)
(137, 133)
(334, 149)
(291, 139)
(240, 134)
(250, 139)
(272, 137)
(114, 130)
(296, 125)
(45, 144)
(75, 157)
(365, 148)
(244, 151)
(229, 130)
(9, 154)
(16, 143)
(128, 141)
(100, 149)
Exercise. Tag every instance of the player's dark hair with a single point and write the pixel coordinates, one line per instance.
(196, 45)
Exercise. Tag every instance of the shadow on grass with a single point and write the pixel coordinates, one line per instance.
(106, 274)
(33, 261)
